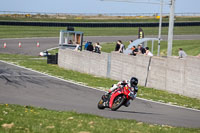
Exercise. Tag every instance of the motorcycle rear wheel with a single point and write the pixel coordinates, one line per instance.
(118, 102)
(100, 104)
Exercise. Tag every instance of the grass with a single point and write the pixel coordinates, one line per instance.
(18, 119)
(191, 47)
(37, 31)
(92, 19)
(46, 18)
(98, 82)
(54, 51)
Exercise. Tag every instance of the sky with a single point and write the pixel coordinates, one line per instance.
(96, 6)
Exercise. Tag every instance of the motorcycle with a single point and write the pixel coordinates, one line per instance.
(116, 99)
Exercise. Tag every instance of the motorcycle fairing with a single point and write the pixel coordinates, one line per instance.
(115, 94)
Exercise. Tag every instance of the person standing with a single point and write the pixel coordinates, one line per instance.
(181, 53)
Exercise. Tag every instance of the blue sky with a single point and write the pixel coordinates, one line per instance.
(95, 6)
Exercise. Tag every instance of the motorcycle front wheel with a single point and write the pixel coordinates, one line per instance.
(118, 102)
(100, 104)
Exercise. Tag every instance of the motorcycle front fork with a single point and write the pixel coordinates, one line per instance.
(105, 99)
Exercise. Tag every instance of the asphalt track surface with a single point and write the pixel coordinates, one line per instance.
(25, 87)
(29, 44)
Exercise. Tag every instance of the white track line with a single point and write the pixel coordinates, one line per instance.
(31, 76)
(52, 48)
(92, 87)
(27, 38)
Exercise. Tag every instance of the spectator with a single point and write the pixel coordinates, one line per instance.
(141, 50)
(86, 45)
(90, 47)
(97, 48)
(181, 53)
(117, 47)
(198, 55)
(134, 51)
(122, 47)
(148, 52)
(70, 42)
(130, 42)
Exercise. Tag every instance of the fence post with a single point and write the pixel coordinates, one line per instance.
(108, 66)
(149, 65)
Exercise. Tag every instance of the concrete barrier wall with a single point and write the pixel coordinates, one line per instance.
(157, 73)
(167, 74)
(192, 77)
(85, 62)
(126, 66)
(181, 76)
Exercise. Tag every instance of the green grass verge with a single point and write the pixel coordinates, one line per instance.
(37, 31)
(191, 47)
(18, 119)
(54, 51)
(98, 82)
(122, 19)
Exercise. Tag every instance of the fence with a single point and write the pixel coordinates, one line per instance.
(179, 76)
(103, 24)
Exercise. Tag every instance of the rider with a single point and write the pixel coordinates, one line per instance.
(131, 84)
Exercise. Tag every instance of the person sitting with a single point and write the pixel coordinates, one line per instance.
(117, 46)
(70, 42)
(97, 48)
(141, 50)
(148, 52)
(134, 51)
(122, 47)
(86, 45)
(90, 47)
(181, 53)
(131, 41)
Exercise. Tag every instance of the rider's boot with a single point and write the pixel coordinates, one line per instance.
(127, 103)
(106, 104)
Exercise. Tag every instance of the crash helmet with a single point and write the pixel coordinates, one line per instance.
(133, 81)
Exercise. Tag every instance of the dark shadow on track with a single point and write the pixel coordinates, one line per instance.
(134, 112)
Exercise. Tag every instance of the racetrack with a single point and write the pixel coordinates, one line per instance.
(25, 87)
(29, 44)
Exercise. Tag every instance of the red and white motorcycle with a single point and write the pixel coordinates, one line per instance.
(116, 99)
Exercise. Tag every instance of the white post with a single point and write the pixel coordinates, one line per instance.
(171, 28)
(145, 44)
(61, 38)
(160, 27)
(152, 46)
